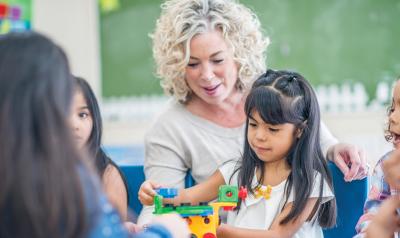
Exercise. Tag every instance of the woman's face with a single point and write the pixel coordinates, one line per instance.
(81, 119)
(211, 72)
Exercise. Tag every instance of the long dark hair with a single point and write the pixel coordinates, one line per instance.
(94, 142)
(40, 190)
(286, 97)
(101, 160)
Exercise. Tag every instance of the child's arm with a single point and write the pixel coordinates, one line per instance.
(116, 191)
(391, 169)
(387, 221)
(276, 230)
(202, 192)
(378, 192)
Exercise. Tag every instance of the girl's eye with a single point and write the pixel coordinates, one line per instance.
(391, 109)
(273, 129)
(83, 115)
(252, 124)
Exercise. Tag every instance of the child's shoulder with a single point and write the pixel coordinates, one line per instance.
(385, 157)
(378, 165)
(229, 170)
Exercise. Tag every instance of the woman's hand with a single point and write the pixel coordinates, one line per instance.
(147, 192)
(350, 159)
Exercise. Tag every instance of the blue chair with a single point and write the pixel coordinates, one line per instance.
(350, 199)
(134, 175)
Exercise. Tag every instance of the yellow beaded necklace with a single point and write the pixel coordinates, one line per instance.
(263, 191)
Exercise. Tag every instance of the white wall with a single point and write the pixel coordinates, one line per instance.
(73, 24)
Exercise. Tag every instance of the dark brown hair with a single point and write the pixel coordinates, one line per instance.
(41, 192)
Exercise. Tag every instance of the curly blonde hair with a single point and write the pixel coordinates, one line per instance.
(180, 20)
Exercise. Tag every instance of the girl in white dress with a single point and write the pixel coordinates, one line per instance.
(282, 167)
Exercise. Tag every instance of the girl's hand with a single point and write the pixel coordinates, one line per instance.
(387, 221)
(147, 192)
(350, 159)
(132, 227)
(391, 169)
(223, 231)
(174, 223)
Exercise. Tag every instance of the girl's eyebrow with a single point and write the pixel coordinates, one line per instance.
(251, 118)
(83, 107)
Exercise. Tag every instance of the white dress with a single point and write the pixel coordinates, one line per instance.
(259, 213)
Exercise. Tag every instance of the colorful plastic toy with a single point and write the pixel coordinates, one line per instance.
(202, 219)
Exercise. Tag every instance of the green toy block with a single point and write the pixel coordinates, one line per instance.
(228, 193)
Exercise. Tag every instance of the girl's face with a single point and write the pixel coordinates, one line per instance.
(81, 119)
(394, 117)
(211, 72)
(271, 143)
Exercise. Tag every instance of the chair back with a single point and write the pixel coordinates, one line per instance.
(350, 199)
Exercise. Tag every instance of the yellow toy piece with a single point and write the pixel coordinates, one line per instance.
(206, 226)
(202, 219)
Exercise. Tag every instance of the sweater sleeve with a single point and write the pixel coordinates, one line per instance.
(326, 138)
(164, 161)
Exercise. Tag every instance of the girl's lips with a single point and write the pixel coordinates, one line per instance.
(261, 148)
(396, 139)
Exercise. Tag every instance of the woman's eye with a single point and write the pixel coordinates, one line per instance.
(218, 61)
(192, 65)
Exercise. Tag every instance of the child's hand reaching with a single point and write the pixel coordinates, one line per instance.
(387, 221)
(147, 192)
(391, 168)
(132, 227)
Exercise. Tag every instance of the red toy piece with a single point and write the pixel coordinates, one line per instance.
(3, 10)
(242, 193)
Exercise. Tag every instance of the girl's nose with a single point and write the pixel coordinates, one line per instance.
(73, 123)
(394, 117)
(261, 135)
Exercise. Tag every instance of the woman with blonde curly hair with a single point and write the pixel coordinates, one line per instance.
(207, 54)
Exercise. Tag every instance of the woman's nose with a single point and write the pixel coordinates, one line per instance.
(207, 72)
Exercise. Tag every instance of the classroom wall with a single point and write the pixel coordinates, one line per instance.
(73, 24)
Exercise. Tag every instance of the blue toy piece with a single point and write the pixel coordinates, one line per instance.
(167, 192)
